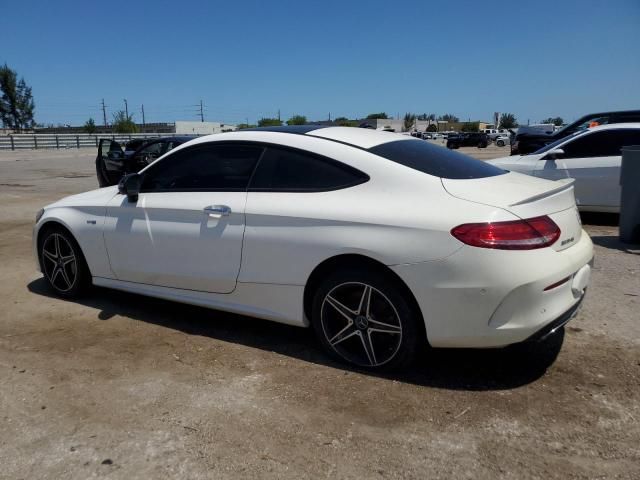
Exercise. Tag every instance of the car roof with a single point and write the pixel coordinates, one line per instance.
(363, 138)
(615, 126)
(177, 138)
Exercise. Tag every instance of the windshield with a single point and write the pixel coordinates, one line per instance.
(591, 122)
(555, 144)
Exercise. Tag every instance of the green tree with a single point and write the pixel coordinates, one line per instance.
(427, 116)
(449, 117)
(16, 103)
(345, 122)
(269, 122)
(508, 120)
(409, 122)
(90, 126)
(123, 123)
(470, 127)
(373, 116)
(557, 121)
(432, 127)
(297, 120)
(242, 126)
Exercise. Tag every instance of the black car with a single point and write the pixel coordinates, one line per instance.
(525, 143)
(469, 139)
(113, 161)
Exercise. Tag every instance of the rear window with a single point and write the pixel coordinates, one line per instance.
(434, 160)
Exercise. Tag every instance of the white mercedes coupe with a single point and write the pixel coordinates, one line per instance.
(380, 242)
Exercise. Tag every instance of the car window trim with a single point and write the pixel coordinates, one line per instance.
(265, 145)
(591, 133)
(208, 144)
(364, 178)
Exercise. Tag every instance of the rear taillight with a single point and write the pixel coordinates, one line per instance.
(526, 234)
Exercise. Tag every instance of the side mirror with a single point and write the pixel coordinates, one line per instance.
(553, 154)
(130, 186)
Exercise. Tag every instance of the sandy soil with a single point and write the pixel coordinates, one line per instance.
(122, 386)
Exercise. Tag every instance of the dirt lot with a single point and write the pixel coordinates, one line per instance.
(123, 386)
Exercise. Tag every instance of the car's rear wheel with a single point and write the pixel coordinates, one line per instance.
(500, 143)
(63, 263)
(362, 317)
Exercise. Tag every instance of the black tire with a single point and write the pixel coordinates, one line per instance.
(63, 264)
(500, 143)
(385, 338)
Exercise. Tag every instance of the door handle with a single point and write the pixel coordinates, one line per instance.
(217, 210)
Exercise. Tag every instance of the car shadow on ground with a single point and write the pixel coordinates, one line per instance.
(454, 369)
(615, 244)
(600, 218)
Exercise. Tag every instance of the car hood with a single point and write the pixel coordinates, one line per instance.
(516, 163)
(93, 198)
(503, 161)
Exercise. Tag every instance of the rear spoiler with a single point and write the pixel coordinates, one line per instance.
(563, 184)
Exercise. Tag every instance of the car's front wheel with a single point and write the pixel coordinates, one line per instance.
(363, 317)
(62, 262)
(500, 143)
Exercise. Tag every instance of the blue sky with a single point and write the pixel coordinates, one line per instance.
(250, 58)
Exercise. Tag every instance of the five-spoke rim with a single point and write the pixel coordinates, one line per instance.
(361, 324)
(59, 262)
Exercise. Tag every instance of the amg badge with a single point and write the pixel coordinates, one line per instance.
(567, 240)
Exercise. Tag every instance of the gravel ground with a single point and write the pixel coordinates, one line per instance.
(123, 386)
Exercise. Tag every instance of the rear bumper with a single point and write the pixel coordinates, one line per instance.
(556, 324)
(483, 298)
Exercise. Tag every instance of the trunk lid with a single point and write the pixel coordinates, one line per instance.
(526, 197)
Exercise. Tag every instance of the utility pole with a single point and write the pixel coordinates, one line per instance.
(278, 114)
(143, 115)
(201, 112)
(247, 121)
(329, 116)
(104, 113)
(126, 108)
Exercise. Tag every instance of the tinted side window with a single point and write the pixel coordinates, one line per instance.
(434, 160)
(203, 167)
(601, 144)
(294, 170)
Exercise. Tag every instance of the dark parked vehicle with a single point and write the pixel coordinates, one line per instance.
(113, 161)
(469, 139)
(526, 143)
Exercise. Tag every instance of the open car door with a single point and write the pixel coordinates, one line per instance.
(110, 162)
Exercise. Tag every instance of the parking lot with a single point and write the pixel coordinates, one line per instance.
(124, 386)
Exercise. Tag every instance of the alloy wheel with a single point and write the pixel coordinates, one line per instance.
(59, 262)
(361, 324)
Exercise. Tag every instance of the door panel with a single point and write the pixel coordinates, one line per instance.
(111, 160)
(168, 239)
(597, 180)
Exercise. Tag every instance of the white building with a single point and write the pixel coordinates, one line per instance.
(202, 128)
(397, 125)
